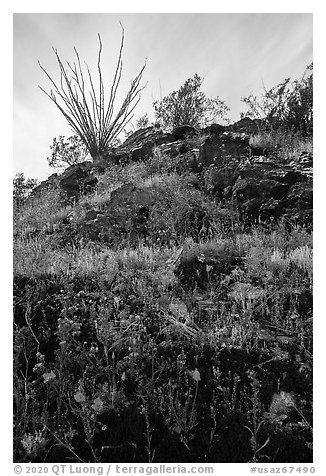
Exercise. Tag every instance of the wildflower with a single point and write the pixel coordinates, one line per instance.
(201, 258)
(48, 376)
(33, 443)
(38, 366)
(216, 372)
(196, 375)
(79, 397)
(40, 357)
(97, 405)
(209, 268)
(282, 403)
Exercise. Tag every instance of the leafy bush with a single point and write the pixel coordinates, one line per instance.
(189, 106)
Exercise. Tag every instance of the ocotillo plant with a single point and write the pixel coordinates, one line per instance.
(91, 116)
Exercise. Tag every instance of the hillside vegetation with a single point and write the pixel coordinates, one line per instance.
(163, 304)
(163, 290)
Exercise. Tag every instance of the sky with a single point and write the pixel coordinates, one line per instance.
(236, 54)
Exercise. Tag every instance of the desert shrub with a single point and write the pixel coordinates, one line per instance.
(92, 120)
(189, 105)
(22, 188)
(66, 152)
(289, 105)
(117, 175)
(180, 211)
(142, 122)
(270, 140)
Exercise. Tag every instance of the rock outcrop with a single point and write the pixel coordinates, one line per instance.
(75, 181)
(124, 217)
(226, 167)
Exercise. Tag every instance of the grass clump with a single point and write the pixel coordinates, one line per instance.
(286, 145)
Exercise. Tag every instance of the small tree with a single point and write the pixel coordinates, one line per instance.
(67, 152)
(189, 106)
(90, 114)
(22, 188)
(289, 105)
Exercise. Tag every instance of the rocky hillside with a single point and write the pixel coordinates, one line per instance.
(163, 303)
(256, 182)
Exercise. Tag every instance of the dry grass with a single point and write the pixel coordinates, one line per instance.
(288, 145)
(41, 214)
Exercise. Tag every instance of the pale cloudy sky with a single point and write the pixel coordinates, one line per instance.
(236, 53)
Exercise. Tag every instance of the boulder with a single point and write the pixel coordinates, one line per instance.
(183, 132)
(268, 188)
(74, 181)
(201, 264)
(124, 217)
(164, 139)
(214, 129)
(172, 149)
(77, 180)
(247, 125)
(140, 144)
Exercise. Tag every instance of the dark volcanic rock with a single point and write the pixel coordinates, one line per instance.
(124, 218)
(165, 139)
(214, 129)
(220, 149)
(268, 188)
(203, 263)
(138, 137)
(172, 149)
(74, 181)
(77, 179)
(183, 132)
(259, 187)
(138, 145)
(221, 160)
(141, 143)
(247, 125)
